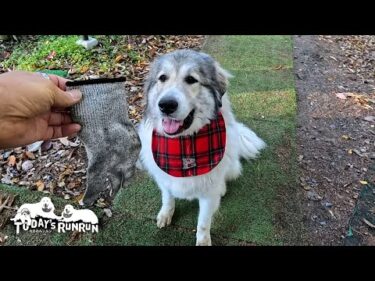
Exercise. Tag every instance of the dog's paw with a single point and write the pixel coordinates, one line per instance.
(164, 218)
(205, 241)
(203, 238)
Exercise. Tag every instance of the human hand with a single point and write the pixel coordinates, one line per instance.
(34, 108)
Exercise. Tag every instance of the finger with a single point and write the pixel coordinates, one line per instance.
(60, 109)
(56, 119)
(58, 81)
(65, 99)
(55, 132)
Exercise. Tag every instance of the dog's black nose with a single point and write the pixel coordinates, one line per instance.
(168, 106)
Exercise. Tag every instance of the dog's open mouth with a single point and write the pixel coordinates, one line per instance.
(174, 127)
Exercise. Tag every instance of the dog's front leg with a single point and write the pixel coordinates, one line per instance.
(166, 212)
(207, 207)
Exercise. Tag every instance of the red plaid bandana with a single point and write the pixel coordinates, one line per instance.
(194, 155)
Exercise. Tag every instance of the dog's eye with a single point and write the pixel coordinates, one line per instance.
(190, 80)
(163, 78)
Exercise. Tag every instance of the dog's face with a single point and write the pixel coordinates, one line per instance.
(47, 205)
(184, 89)
(68, 211)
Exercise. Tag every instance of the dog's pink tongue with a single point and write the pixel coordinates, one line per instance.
(171, 126)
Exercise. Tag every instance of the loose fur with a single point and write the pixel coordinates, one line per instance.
(195, 82)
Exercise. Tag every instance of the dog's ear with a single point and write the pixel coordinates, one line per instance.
(147, 85)
(151, 76)
(221, 82)
(221, 79)
(149, 82)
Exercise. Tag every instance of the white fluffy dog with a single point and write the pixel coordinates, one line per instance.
(191, 141)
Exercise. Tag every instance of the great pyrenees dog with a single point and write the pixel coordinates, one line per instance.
(191, 141)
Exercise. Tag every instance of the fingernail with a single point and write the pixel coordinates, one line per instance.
(76, 94)
(78, 127)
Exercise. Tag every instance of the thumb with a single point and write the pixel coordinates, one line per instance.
(66, 98)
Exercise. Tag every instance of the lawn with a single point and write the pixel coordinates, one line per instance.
(260, 207)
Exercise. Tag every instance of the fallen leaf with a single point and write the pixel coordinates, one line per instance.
(101, 203)
(12, 160)
(79, 198)
(119, 58)
(51, 55)
(34, 146)
(368, 223)
(350, 151)
(332, 57)
(3, 239)
(39, 185)
(27, 165)
(72, 71)
(6, 154)
(84, 69)
(75, 236)
(67, 142)
(64, 141)
(71, 185)
(65, 173)
(341, 96)
(358, 153)
(6, 54)
(46, 145)
(107, 212)
(306, 187)
(312, 195)
(345, 137)
(30, 155)
(332, 214)
(363, 182)
(51, 186)
(369, 118)
(18, 150)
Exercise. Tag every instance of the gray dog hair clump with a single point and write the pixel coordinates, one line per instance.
(110, 139)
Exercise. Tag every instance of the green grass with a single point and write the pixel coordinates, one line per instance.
(260, 207)
(32, 56)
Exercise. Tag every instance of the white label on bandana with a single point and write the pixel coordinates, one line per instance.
(188, 163)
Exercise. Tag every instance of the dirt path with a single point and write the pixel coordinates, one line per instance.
(335, 137)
